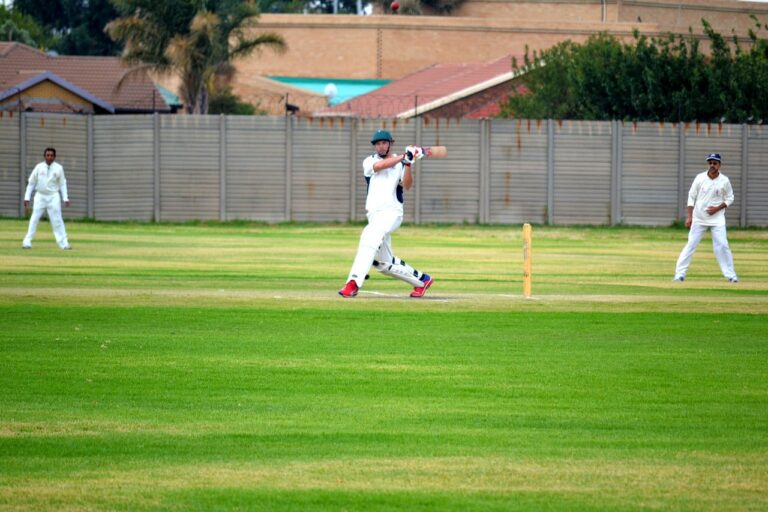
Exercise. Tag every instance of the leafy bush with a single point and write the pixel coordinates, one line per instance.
(653, 79)
(225, 101)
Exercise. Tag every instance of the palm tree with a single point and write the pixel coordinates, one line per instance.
(195, 39)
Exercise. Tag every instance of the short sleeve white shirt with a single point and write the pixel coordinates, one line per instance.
(382, 186)
(706, 192)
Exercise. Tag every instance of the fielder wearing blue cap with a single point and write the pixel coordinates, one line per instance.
(387, 174)
(710, 194)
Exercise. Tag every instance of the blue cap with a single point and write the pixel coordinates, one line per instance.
(714, 156)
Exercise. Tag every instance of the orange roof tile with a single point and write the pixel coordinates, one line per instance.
(99, 76)
(427, 89)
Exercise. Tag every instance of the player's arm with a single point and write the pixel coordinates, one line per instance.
(63, 188)
(407, 179)
(388, 162)
(727, 200)
(31, 184)
(693, 195)
(689, 217)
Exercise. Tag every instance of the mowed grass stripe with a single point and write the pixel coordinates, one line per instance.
(518, 370)
(416, 484)
(463, 258)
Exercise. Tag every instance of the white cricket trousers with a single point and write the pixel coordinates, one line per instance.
(376, 244)
(51, 204)
(719, 245)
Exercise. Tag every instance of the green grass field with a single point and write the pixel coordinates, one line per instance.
(214, 367)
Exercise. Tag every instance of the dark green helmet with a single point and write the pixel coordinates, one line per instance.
(381, 135)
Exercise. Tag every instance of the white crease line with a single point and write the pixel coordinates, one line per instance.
(382, 294)
(404, 297)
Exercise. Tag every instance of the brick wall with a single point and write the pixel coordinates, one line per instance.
(675, 15)
(393, 46)
(390, 47)
(465, 106)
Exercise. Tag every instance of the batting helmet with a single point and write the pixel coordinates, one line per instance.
(381, 135)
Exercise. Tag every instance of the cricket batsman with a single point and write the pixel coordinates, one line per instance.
(387, 174)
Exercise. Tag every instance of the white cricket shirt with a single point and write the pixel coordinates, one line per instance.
(382, 186)
(47, 181)
(706, 192)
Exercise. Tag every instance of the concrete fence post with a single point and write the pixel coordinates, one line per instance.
(22, 162)
(616, 171)
(156, 164)
(485, 172)
(222, 167)
(550, 171)
(744, 175)
(353, 168)
(417, 186)
(682, 199)
(288, 166)
(91, 189)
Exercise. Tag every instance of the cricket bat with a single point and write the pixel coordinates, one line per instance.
(436, 152)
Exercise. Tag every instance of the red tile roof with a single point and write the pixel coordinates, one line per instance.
(427, 89)
(99, 76)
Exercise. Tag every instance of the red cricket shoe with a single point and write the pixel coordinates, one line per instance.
(349, 290)
(419, 292)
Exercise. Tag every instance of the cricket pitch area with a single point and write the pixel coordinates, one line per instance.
(214, 367)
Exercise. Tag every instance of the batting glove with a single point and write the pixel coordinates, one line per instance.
(408, 158)
(418, 154)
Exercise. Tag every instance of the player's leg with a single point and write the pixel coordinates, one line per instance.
(38, 207)
(684, 260)
(57, 222)
(379, 225)
(723, 252)
(389, 264)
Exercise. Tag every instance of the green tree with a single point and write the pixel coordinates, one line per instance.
(10, 32)
(17, 26)
(80, 24)
(547, 90)
(442, 6)
(194, 39)
(224, 101)
(326, 6)
(739, 77)
(652, 79)
(281, 6)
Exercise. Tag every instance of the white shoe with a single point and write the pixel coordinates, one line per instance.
(733, 279)
(26, 246)
(66, 247)
(678, 279)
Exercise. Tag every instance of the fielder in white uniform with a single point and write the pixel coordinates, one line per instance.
(710, 194)
(50, 186)
(387, 175)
